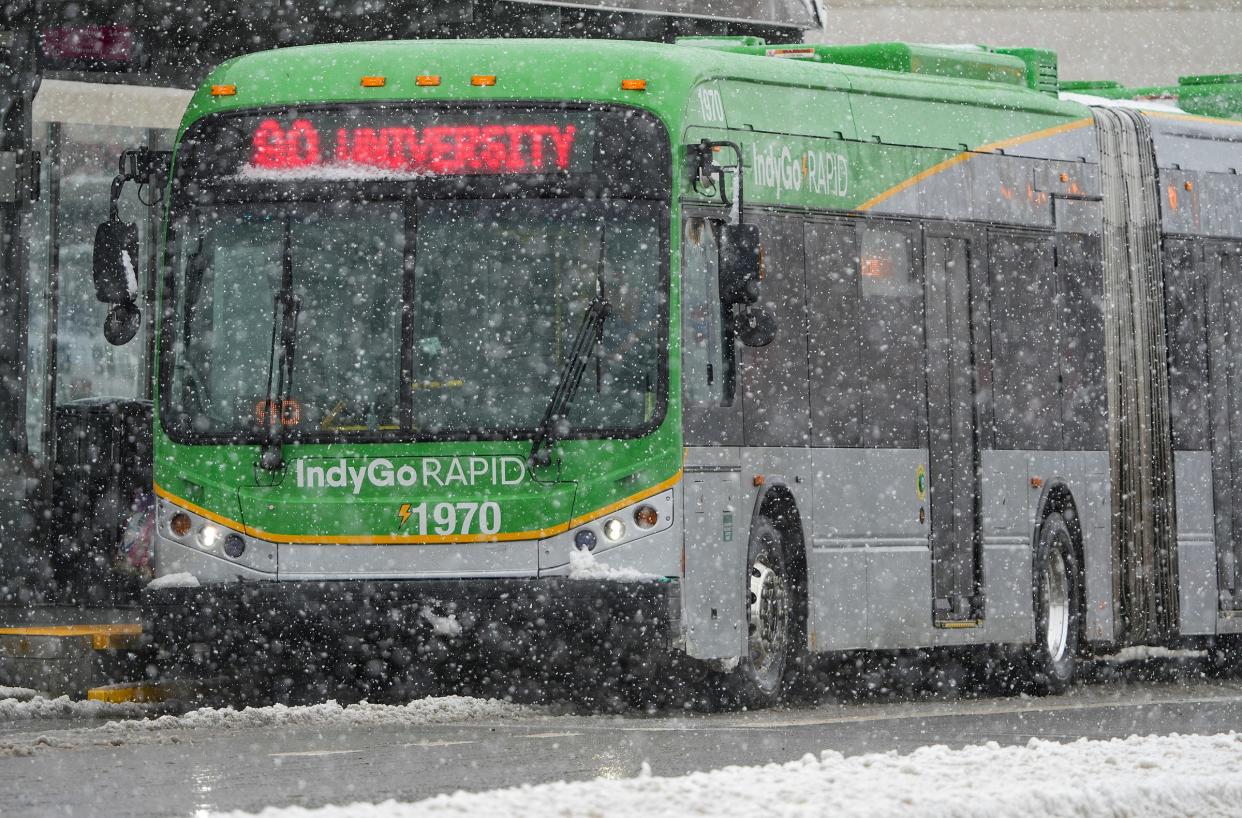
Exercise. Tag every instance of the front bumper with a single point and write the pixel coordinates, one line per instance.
(382, 629)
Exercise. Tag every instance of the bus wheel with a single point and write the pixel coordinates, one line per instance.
(770, 612)
(1053, 658)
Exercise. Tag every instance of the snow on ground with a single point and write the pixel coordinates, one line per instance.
(28, 708)
(437, 710)
(24, 693)
(1150, 777)
(1142, 653)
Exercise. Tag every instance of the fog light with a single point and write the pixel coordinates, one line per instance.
(614, 529)
(234, 545)
(180, 524)
(646, 516)
(208, 536)
(585, 539)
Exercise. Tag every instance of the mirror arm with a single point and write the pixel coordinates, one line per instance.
(114, 202)
(707, 169)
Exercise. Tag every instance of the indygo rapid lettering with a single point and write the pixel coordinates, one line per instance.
(429, 472)
(779, 168)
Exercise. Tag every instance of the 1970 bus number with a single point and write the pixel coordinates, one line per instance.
(453, 518)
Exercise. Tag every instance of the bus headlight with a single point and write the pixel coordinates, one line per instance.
(208, 536)
(614, 529)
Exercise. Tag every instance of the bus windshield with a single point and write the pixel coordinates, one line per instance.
(439, 317)
(421, 317)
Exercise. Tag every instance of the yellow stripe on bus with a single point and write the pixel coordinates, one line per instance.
(416, 539)
(966, 156)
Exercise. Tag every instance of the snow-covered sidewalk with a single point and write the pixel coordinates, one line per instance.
(1151, 777)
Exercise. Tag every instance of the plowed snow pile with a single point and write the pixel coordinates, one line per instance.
(1149, 777)
(17, 705)
(437, 710)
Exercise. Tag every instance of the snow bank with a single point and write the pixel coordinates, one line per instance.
(26, 708)
(439, 710)
(1150, 777)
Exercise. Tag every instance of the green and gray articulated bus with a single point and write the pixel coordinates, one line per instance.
(740, 352)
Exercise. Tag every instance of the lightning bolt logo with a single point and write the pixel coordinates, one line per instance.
(404, 514)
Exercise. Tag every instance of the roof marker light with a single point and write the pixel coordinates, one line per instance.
(224, 90)
(481, 80)
(633, 85)
(427, 80)
(374, 82)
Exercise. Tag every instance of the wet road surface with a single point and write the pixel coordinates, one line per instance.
(72, 767)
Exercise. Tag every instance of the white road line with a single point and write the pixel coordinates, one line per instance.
(316, 753)
(549, 735)
(313, 753)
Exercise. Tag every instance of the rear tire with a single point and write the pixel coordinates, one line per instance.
(1052, 660)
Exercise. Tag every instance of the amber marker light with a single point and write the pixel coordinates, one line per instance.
(374, 82)
(646, 517)
(427, 80)
(633, 85)
(224, 90)
(482, 80)
(180, 524)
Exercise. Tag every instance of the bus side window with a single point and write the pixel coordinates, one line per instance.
(707, 344)
(832, 304)
(893, 405)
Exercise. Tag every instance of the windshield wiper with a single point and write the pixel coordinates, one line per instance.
(589, 336)
(286, 306)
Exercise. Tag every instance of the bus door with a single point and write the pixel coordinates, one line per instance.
(1224, 282)
(953, 474)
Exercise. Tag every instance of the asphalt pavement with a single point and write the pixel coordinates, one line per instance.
(71, 767)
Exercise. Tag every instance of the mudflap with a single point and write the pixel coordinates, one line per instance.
(528, 640)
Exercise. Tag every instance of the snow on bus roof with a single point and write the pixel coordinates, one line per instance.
(1136, 104)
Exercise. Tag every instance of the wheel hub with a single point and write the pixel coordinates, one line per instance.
(1056, 600)
(769, 616)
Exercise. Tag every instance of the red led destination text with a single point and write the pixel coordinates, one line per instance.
(440, 150)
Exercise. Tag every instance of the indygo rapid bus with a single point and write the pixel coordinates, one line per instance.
(755, 352)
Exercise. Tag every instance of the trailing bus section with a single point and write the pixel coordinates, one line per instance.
(712, 358)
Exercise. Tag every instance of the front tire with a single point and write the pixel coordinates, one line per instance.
(771, 614)
(1052, 661)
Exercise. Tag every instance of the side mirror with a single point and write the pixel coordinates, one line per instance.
(115, 263)
(739, 263)
(115, 271)
(754, 325)
(122, 324)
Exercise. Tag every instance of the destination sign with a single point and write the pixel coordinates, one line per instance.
(450, 149)
(394, 143)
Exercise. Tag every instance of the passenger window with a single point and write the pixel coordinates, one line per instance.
(885, 264)
(1186, 301)
(708, 367)
(894, 397)
(866, 338)
(1025, 343)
